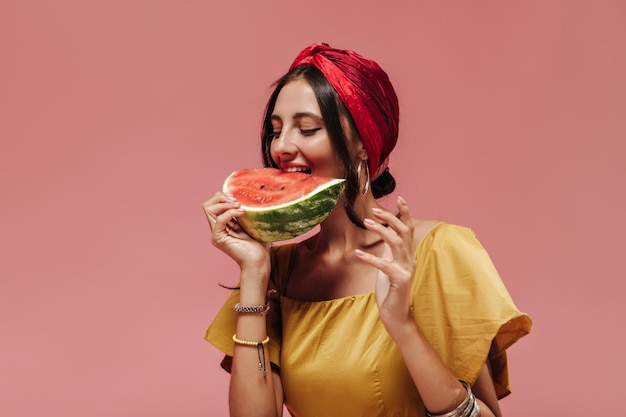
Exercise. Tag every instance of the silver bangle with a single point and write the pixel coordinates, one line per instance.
(263, 309)
(468, 408)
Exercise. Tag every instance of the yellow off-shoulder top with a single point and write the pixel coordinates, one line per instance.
(336, 358)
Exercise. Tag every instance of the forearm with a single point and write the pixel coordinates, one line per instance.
(439, 388)
(252, 390)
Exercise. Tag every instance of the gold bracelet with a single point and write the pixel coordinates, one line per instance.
(249, 343)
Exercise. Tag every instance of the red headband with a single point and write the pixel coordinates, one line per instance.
(365, 90)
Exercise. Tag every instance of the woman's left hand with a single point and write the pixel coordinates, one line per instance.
(396, 266)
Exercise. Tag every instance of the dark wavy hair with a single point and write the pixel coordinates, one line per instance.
(332, 110)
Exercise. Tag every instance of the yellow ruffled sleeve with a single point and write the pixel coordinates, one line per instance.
(221, 330)
(462, 306)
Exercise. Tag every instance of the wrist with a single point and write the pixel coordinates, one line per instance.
(403, 331)
(255, 268)
(253, 284)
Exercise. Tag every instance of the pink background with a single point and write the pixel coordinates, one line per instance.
(119, 118)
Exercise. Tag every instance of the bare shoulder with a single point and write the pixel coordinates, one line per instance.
(421, 227)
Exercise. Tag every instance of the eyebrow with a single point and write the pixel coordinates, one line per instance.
(301, 115)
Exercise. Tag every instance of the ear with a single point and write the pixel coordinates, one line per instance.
(362, 153)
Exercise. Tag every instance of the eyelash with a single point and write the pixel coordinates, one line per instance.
(303, 132)
(309, 132)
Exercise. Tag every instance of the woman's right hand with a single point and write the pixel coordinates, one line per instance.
(222, 211)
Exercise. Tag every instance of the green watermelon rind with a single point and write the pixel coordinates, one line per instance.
(289, 220)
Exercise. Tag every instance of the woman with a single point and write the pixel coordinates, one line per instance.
(378, 314)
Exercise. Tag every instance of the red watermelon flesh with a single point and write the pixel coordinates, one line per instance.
(281, 205)
(265, 187)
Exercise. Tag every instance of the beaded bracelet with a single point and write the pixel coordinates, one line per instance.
(259, 349)
(249, 343)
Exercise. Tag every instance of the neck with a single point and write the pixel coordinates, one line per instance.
(338, 233)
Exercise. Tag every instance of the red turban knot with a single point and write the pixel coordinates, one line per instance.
(365, 90)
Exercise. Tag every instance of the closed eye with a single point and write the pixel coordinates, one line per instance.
(309, 132)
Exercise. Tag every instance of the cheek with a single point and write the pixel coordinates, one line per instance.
(272, 152)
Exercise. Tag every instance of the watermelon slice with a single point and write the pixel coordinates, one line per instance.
(282, 205)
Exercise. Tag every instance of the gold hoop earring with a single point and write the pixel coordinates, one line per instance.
(367, 173)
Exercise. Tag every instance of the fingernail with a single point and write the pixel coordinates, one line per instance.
(369, 221)
(401, 200)
(359, 252)
(377, 210)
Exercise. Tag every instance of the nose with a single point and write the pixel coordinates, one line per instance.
(283, 144)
